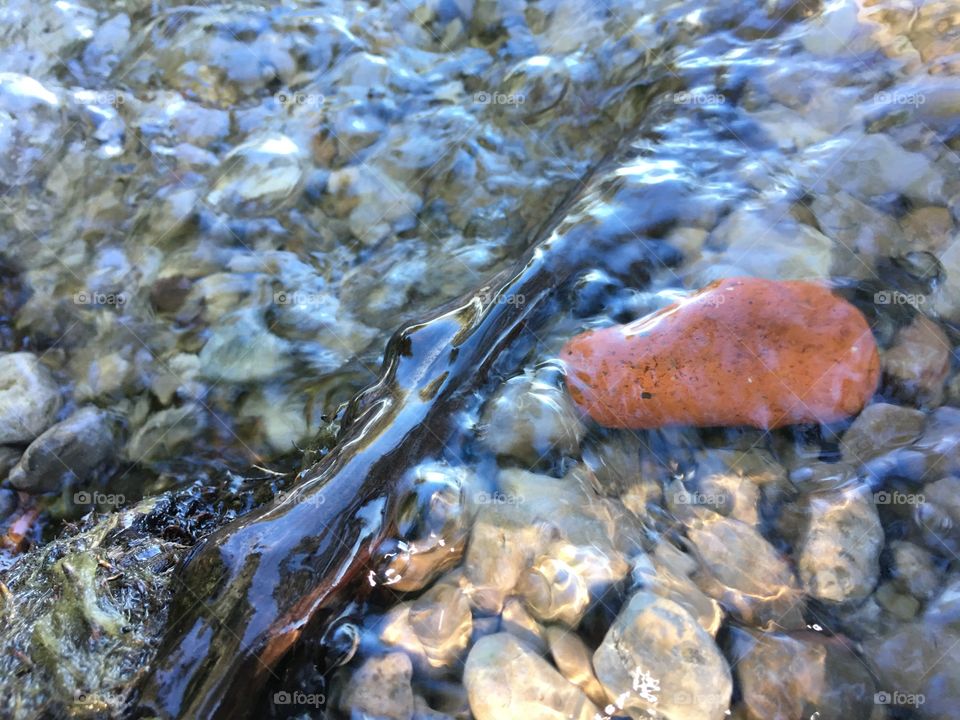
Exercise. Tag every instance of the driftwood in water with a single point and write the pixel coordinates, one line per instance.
(251, 590)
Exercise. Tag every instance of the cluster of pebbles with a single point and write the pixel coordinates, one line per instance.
(690, 574)
(212, 217)
(203, 252)
(627, 588)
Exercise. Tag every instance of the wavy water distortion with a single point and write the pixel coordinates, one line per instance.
(248, 593)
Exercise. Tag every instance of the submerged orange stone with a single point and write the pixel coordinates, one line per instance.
(742, 351)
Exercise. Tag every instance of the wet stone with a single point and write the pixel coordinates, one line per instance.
(839, 556)
(103, 52)
(440, 527)
(169, 293)
(662, 575)
(895, 602)
(496, 559)
(164, 433)
(506, 679)
(242, 349)
(573, 659)
(935, 452)
(918, 659)
(618, 469)
(879, 429)
(442, 622)
(262, 174)
(655, 657)
(177, 378)
(945, 608)
(31, 128)
(29, 397)
(946, 297)
(751, 365)
(517, 620)
(531, 419)
(928, 228)
(381, 688)
(8, 458)
(789, 676)
(744, 572)
(764, 245)
(837, 31)
(70, 451)
(862, 233)
(281, 419)
(918, 363)
(937, 516)
(871, 166)
(729, 482)
(395, 631)
(374, 204)
(553, 540)
(563, 581)
(8, 502)
(913, 569)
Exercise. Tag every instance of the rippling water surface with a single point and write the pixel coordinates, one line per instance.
(214, 217)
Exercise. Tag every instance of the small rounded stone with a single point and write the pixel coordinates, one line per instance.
(742, 351)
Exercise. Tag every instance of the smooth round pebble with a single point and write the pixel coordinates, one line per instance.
(29, 397)
(742, 351)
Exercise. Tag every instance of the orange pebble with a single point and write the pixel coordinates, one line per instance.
(742, 351)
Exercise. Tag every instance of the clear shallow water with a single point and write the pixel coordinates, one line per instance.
(215, 217)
